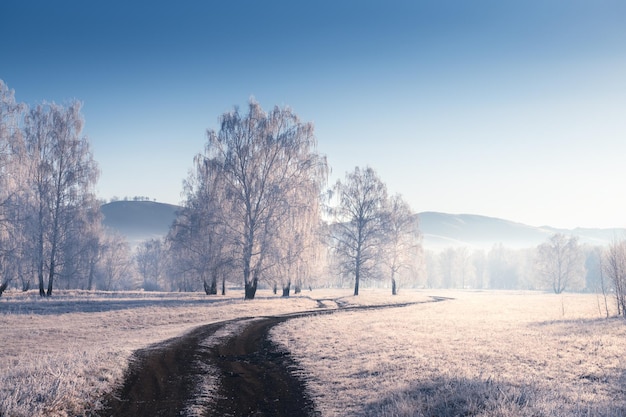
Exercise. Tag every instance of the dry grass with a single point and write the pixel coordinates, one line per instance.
(58, 356)
(481, 354)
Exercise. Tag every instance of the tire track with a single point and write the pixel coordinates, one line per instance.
(255, 377)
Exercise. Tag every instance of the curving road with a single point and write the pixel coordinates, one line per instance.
(255, 377)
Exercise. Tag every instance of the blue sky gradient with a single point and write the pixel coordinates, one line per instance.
(507, 109)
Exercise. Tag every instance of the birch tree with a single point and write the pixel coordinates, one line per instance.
(63, 174)
(560, 262)
(358, 232)
(198, 240)
(614, 264)
(401, 239)
(151, 261)
(261, 157)
(114, 265)
(11, 184)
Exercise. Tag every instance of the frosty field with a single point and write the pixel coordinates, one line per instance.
(475, 353)
(479, 354)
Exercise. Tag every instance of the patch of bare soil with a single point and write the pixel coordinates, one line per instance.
(161, 379)
(256, 378)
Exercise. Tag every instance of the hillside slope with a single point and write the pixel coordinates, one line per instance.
(141, 220)
(442, 230)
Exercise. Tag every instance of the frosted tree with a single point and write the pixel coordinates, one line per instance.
(294, 256)
(81, 248)
(401, 239)
(359, 230)
(614, 265)
(560, 262)
(63, 174)
(262, 157)
(11, 185)
(114, 267)
(151, 262)
(198, 240)
(503, 267)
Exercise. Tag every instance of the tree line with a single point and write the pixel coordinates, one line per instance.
(559, 264)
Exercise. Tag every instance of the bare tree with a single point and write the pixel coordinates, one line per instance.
(614, 264)
(359, 222)
(560, 262)
(479, 264)
(114, 267)
(401, 240)
(198, 241)
(503, 267)
(63, 174)
(448, 267)
(295, 254)
(12, 189)
(262, 158)
(150, 258)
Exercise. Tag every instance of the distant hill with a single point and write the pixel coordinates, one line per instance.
(141, 220)
(441, 230)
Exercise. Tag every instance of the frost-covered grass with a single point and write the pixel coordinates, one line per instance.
(481, 354)
(58, 356)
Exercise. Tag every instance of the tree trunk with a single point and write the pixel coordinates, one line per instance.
(224, 285)
(210, 289)
(394, 289)
(286, 289)
(250, 289)
(50, 279)
(52, 269)
(3, 287)
(92, 273)
(357, 267)
(213, 289)
(42, 290)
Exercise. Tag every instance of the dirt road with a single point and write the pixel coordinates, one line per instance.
(253, 376)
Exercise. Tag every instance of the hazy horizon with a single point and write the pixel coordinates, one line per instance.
(508, 110)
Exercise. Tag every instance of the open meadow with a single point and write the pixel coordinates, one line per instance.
(473, 353)
(476, 354)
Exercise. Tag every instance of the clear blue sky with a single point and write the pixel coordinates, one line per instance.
(508, 109)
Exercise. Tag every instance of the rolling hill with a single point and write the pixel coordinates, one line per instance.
(141, 220)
